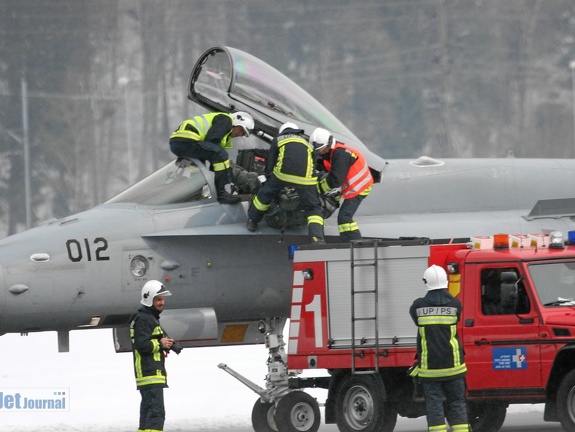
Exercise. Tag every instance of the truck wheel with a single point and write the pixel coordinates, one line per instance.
(263, 417)
(486, 416)
(360, 406)
(566, 402)
(297, 412)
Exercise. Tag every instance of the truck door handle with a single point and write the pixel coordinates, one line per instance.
(482, 341)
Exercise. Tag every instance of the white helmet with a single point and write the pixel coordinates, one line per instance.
(435, 277)
(245, 120)
(320, 138)
(288, 125)
(152, 289)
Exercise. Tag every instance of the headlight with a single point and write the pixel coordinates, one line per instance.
(139, 266)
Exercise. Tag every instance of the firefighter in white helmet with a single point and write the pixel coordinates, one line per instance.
(149, 343)
(348, 175)
(441, 367)
(290, 164)
(206, 138)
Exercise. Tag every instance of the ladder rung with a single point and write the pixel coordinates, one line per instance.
(364, 264)
(363, 318)
(364, 292)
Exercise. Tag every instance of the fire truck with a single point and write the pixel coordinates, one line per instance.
(350, 322)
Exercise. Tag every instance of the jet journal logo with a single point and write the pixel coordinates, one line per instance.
(34, 399)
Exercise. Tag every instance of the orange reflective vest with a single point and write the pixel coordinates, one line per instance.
(358, 177)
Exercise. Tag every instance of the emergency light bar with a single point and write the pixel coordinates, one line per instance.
(555, 240)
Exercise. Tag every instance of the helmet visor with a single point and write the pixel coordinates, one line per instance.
(163, 292)
(246, 131)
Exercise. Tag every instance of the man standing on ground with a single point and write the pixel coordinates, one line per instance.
(441, 367)
(149, 342)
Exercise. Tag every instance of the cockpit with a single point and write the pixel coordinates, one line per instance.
(227, 79)
(175, 183)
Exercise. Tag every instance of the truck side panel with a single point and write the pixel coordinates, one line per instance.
(321, 321)
(399, 283)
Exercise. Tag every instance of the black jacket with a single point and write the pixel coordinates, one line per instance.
(291, 159)
(146, 333)
(439, 349)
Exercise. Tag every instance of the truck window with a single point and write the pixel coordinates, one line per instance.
(502, 292)
(554, 283)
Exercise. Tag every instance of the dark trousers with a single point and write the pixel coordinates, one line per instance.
(348, 229)
(453, 393)
(308, 199)
(205, 151)
(152, 412)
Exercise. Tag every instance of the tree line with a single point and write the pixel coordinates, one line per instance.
(106, 82)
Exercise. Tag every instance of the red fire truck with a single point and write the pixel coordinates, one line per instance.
(350, 319)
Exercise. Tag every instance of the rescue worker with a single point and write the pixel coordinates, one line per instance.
(348, 173)
(149, 343)
(206, 138)
(441, 366)
(290, 163)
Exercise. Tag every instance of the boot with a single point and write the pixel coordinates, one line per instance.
(251, 225)
(225, 188)
(228, 198)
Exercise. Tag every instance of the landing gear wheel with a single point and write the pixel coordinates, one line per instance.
(360, 406)
(263, 417)
(566, 402)
(297, 412)
(486, 416)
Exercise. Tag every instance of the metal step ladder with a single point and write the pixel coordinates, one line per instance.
(357, 348)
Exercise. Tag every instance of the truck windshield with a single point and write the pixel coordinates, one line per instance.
(175, 183)
(554, 283)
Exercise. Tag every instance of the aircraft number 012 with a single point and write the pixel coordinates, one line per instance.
(76, 251)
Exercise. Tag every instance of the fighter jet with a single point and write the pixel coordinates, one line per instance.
(229, 285)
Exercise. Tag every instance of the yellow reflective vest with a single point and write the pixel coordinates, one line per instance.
(197, 128)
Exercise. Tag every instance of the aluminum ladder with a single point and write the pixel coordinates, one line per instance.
(357, 348)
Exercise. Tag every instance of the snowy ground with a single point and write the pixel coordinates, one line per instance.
(101, 385)
(102, 392)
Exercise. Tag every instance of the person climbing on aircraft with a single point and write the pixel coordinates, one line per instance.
(348, 173)
(206, 137)
(290, 163)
